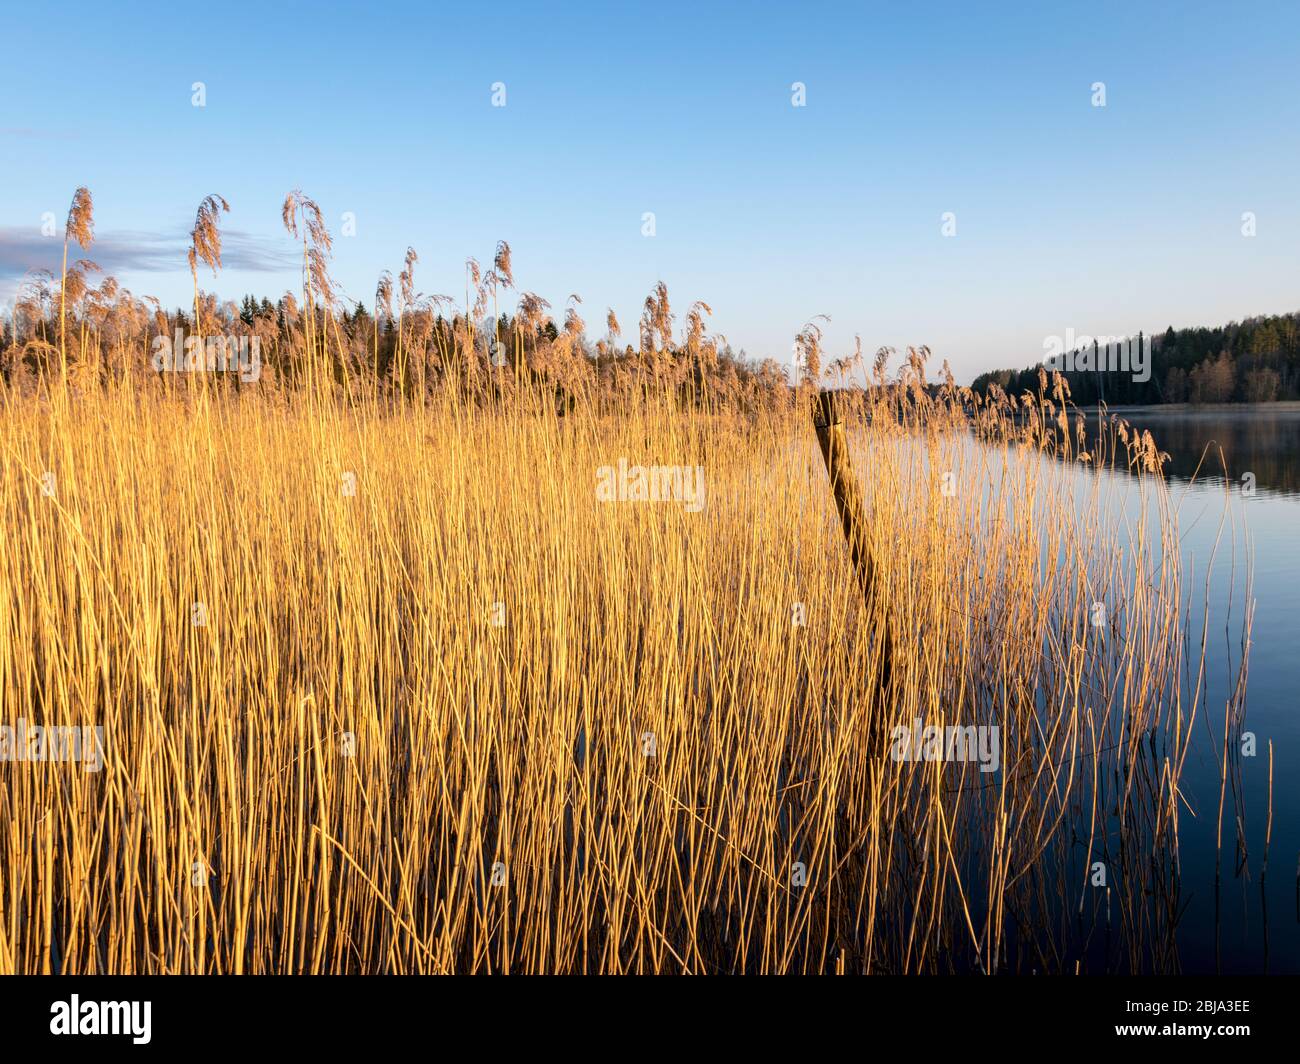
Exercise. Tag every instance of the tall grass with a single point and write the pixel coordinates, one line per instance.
(648, 766)
(385, 687)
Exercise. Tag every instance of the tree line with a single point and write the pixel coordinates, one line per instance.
(1252, 361)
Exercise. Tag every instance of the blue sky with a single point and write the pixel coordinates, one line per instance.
(1104, 220)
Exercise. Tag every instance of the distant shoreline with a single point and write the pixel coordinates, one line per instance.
(1281, 406)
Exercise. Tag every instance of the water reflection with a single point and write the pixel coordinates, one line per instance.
(1263, 440)
(1237, 919)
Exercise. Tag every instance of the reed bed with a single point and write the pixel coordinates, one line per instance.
(388, 684)
(468, 718)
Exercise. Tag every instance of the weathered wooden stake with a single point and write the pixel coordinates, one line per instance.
(848, 501)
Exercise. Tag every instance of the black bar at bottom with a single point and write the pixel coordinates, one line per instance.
(537, 1015)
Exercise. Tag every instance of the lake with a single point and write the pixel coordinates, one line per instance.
(1237, 919)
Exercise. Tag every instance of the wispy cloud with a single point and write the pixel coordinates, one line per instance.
(24, 250)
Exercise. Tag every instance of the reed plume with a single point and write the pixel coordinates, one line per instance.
(205, 246)
(80, 226)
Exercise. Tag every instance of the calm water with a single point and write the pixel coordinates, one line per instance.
(1238, 920)
(1239, 540)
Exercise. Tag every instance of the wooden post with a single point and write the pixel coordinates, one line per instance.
(849, 502)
